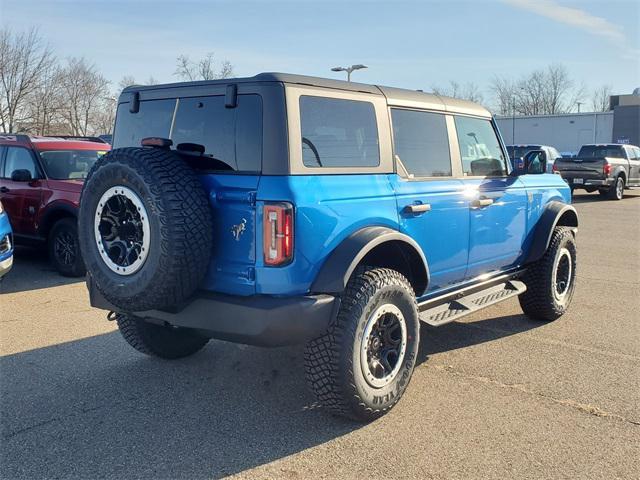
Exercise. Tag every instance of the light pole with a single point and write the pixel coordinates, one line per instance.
(348, 70)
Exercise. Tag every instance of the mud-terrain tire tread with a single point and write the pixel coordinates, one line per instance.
(186, 228)
(537, 301)
(157, 340)
(324, 368)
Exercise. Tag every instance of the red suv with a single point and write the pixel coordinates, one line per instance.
(40, 183)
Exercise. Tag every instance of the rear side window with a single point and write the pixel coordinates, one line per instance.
(479, 148)
(19, 159)
(338, 133)
(230, 135)
(153, 120)
(421, 142)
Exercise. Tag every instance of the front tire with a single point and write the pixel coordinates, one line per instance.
(159, 340)
(551, 280)
(362, 365)
(64, 248)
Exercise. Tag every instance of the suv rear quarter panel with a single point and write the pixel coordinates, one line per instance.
(328, 208)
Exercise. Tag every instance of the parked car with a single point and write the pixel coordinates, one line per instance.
(40, 183)
(6, 243)
(607, 168)
(517, 153)
(284, 209)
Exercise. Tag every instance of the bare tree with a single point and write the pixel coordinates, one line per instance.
(86, 94)
(203, 69)
(542, 92)
(24, 60)
(468, 91)
(44, 104)
(600, 100)
(504, 91)
(125, 82)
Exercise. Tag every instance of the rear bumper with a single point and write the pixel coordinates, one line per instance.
(256, 320)
(576, 181)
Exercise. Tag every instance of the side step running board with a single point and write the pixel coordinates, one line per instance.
(455, 309)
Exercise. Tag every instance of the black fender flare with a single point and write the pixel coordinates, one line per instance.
(52, 213)
(343, 260)
(555, 214)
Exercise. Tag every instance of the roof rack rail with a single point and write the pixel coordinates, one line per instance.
(79, 137)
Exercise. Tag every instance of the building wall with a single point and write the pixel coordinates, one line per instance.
(626, 124)
(567, 132)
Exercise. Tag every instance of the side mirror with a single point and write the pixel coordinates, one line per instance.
(535, 162)
(21, 175)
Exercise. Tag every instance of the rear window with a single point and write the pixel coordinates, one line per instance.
(153, 120)
(338, 133)
(232, 136)
(601, 151)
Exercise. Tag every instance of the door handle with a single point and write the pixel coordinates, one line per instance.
(481, 202)
(4, 189)
(417, 208)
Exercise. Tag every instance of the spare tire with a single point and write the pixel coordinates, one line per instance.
(145, 228)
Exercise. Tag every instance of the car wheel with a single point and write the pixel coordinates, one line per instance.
(159, 340)
(362, 365)
(64, 248)
(551, 280)
(616, 192)
(146, 228)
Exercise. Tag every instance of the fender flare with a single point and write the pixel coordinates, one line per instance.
(555, 214)
(52, 211)
(343, 260)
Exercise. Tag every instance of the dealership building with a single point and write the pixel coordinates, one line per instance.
(568, 132)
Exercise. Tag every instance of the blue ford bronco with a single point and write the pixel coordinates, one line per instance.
(283, 209)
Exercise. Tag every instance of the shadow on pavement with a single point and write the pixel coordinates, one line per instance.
(95, 408)
(32, 271)
(460, 335)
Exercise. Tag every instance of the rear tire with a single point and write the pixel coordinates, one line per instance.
(64, 248)
(551, 280)
(159, 340)
(616, 191)
(362, 365)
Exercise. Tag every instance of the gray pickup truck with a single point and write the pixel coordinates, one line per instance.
(607, 168)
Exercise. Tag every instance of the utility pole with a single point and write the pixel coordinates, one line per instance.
(348, 69)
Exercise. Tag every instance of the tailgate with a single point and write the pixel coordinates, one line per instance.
(580, 167)
(232, 199)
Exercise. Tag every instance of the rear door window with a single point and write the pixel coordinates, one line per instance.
(230, 135)
(153, 120)
(480, 148)
(338, 133)
(421, 142)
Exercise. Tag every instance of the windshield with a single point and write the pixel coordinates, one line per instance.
(69, 164)
(596, 151)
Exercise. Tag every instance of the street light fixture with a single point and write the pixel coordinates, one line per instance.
(348, 69)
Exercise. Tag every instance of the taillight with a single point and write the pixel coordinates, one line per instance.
(277, 233)
(606, 169)
(554, 169)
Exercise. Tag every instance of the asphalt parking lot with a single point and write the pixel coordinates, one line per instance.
(496, 396)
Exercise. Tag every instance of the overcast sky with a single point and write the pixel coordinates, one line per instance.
(412, 44)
